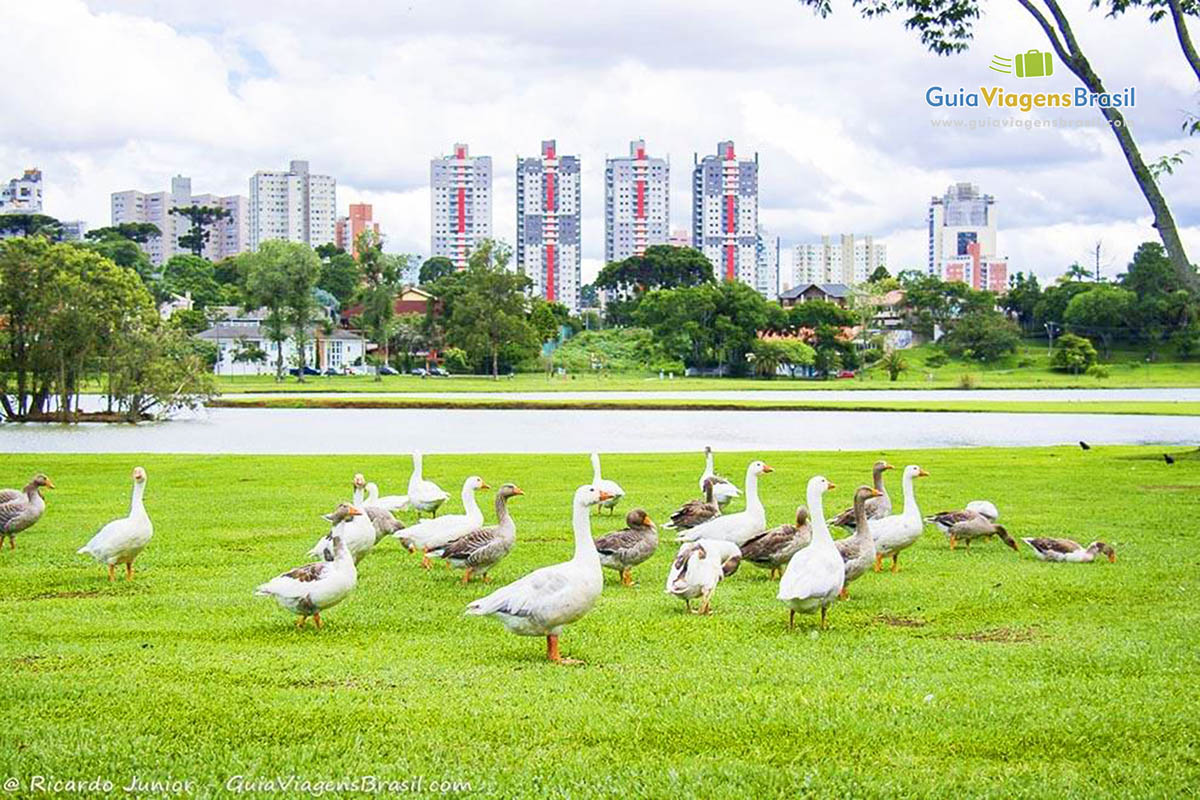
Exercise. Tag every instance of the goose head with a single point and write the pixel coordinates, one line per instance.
(510, 490)
(760, 467)
(801, 516)
(638, 518)
(881, 466)
(359, 481)
(42, 482)
(139, 476)
(589, 495)
(475, 483)
(1002, 532)
(864, 493)
(1107, 549)
(342, 512)
(913, 471)
(819, 485)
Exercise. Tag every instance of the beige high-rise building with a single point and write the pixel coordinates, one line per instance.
(294, 205)
(227, 238)
(846, 259)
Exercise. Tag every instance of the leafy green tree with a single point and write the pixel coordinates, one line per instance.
(160, 368)
(894, 363)
(31, 225)
(340, 273)
(1073, 354)
(880, 274)
(489, 314)
(1022, 298)
(137, 232)
(187, 273)
(947, 27)
(982, 336)
(1052, 306)
(376, 294)
(1076, 272)
(772, 354)
(434, 268)
(203, 219)
(712, 324)
(1102, 311)
(660, 267)
(408, 336)
(280, 277)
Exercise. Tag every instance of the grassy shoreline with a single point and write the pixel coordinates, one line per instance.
(1155, 408)
(963, 671)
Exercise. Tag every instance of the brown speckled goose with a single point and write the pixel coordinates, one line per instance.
(774, 548)
(878, 507)
(696, 512)
(965, 525)
(858, 551)
(1048, 549)
(21, 509)
(624, 549)
(483, 548)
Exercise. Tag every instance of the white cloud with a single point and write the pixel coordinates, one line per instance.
(126, 93)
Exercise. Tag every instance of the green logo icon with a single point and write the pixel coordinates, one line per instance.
(1030, 64)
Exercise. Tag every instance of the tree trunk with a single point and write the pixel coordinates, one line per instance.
(1185, 38)
(1072, 55)
(495, 363)
(279, 360)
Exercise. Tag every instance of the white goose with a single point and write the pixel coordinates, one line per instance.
(723, 490)
(423, 495)
(430, 534)
(815, 575)
(610, 488)
(381, 518)
(356, 531)
(738, 528)
(898, 531)
(545, 600)
(120, 541)
(307, 591)
(698, 568)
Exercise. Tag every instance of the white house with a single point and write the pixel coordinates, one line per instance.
(340, 350)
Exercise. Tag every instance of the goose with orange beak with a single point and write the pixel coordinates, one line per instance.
(21, 509)
(815, 575)
(899, 531)
(307, 591)
(546, 600)
(1048, 549)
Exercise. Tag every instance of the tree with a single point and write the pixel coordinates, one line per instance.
(137, 232)
(1102, 311)
(202, 219)
(660, 267)
(983, 336)
(434, 268)
(376, 295)
(712, 324)
(408, 334)
(490, 312)
(1074, 354)
(1077, 272)
(946, 27)
(894, 363)
(880, 274)
(1052, 307)
(31, 225)
(340, 273)
(1022, 298)
(772, 354)
(280, 278)
(184, 274)
(127, 253)
(160, 368)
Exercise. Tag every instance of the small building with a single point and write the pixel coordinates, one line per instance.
(837, 293)
(409, 300)
(240, 331)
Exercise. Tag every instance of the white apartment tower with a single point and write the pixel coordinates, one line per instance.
(846, 259)
(228, 237)
(725, 213)
(766, 279)
(460, 204)
(295, 206)
(549, 201)
(637, 203)
(22, 195)
(956, 219)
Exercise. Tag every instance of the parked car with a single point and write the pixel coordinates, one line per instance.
(418, 371)
(438, 371)
(846, 373)
(386, 370)
(307, 371)
(330, 371)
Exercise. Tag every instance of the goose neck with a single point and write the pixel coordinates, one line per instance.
(581, 525)
(910, 498)
(469, 503)
(136, 507)
(816, 514)
(595, 468)
(752, 500)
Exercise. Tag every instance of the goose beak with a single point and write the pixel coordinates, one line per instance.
(649, 521)
(605, 496)
(876, 493)
(832, 486)
(50, 484)
(888, 466)
(768, 468)
(483, 485)
(354, 512)
(518, 490)
(1112, 558)
(922, 473)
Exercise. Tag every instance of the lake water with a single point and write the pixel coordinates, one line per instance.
(231, 430)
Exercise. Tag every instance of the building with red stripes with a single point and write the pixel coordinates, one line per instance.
(637, 203)
(548, 221)
(460, 199)
(725, 213)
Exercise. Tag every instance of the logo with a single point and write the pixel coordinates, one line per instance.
(1030, 64)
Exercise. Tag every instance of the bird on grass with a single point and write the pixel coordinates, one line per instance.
(624, 549)
(122, 540)
(878, 506)
(858, 551)
(698, 567)
(481, 549)
(610, 488)
(723, 488)
(19, 510)
(307, 591)
(815, 576)
(696, 512)
(1048, 549)
(1167, 457)
(547, 599)
(1084, 445)
(773, 549)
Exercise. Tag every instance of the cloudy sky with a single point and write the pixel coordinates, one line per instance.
(117, 94)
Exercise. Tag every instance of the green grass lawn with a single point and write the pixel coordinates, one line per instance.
(650, 403)
(1028, 369)
(981, 673)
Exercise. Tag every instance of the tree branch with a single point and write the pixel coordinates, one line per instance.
(1185, 38)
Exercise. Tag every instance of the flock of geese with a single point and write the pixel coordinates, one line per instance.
(814, 569)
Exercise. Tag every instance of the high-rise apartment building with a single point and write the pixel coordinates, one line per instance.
(725, 213)
(961, 216)
(460, 200)
(846, 259)
(767, 277)
(347, 229)
(295, 206)
(23, 194)
(680, 237)
(637, 203)
(227, 237)
(548, 220)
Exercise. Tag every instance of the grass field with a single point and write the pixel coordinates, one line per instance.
(981, 673)
(649, 402)
(1028, 369)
